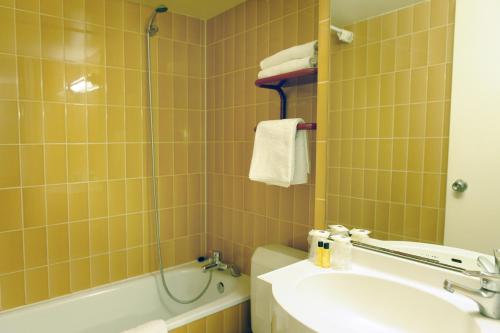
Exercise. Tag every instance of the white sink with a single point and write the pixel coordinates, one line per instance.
(379, 294)
(372, 304)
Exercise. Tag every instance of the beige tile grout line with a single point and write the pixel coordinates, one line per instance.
(205, 171)
(105, 110)
(67, 170)
(20, 160)
(49, 292)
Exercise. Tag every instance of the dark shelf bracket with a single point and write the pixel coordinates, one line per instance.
(279, 89)
(277, 82)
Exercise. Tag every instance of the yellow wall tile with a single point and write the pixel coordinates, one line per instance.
(33, 206)
(11, 254)
(28, 34)
(13, 290)
(59, 279)
(9, 159)
(29, 75)
(52, 7)
(9, 122)
(57, 204)
(31, 122)
(80, 274)
(55, 163)
(32, 167)
(8, 83)
(35, 247)
(10, 207)
(54, 122)
(94, 11)
(7, 44)
(53, 81)
(77, 162)
(99, 267)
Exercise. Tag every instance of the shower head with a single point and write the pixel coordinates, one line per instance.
(152, 28)
(161, 9)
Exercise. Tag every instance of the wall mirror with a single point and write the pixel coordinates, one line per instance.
(414, 125)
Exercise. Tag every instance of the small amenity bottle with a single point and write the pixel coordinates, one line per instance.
(325, 258)
(319, 254)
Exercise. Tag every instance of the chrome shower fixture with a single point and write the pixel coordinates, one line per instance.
(152, 28)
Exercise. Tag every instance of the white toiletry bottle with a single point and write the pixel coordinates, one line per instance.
(342, 252)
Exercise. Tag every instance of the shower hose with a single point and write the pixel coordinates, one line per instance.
(151, 31)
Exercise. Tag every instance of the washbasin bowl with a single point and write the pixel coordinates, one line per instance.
(353, 302)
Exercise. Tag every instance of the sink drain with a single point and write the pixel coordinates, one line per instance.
(220, 287)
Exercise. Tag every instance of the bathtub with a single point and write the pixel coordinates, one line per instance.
(128, 303)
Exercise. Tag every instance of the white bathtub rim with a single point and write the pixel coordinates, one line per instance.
(108, 287)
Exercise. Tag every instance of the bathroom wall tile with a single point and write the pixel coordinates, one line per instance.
(11, 254)
(53, 80)
(99, 267)
(51, 7)
(80, 274)
(59, 283)
(78, 201)
(74, 40)
(28, 34)
(8, 88)
(35, 247)
(55, 164)
(32, 168)
(33, 206)
(9, 122)
(9, 158)
(77, 162)
(52, 37)
(118, 265)
(10, 206)
(13, 290)
(57, 204)
(7, 17)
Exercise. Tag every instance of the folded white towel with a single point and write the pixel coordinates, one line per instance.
(155, 326)
(280, 155)
(295, 52)
(289, 66)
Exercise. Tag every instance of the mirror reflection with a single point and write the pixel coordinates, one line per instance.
(401, 95)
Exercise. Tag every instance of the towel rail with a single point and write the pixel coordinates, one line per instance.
(277, 82)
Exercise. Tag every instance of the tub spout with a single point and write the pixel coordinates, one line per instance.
(216, 263)
(209, 267)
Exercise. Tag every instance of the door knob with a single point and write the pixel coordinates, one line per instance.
(459, 185)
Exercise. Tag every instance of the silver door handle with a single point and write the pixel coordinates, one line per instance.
(459, 185)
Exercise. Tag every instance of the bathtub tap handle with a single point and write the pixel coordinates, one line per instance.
(235, 271)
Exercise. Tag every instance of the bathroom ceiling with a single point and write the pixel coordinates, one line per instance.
(345, 12)
(202, 9)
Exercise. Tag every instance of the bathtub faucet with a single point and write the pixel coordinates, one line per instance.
(215, 262)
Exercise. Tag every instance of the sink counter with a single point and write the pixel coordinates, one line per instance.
(379, 293)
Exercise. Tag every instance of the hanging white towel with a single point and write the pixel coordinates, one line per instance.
(295, 52)
(280, 154)
(155, 326)
(289, 66)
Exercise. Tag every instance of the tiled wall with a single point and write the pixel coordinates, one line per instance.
(242, 214)
(74, 166)
(389, 122)
(235, 319)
